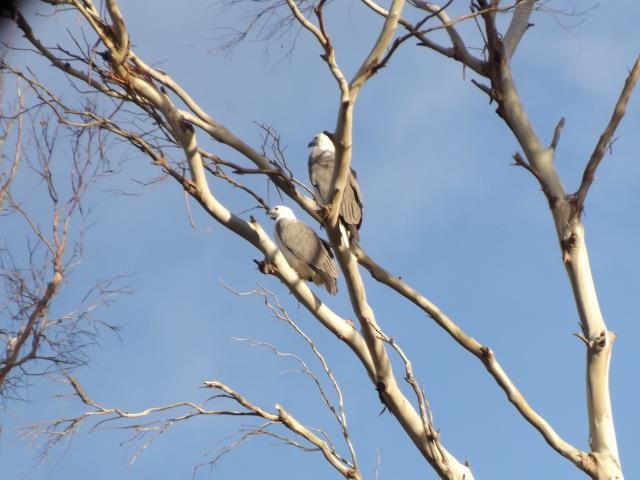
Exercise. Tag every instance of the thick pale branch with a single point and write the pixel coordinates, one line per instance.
(518, 26)
(120, 34)
(440, 459)
(344, 124)
(600, 418)
(384, 39)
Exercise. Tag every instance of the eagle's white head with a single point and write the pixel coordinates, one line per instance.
(322, 142)
(280, 211)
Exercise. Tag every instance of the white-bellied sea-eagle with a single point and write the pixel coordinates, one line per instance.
(303, 249)
(322, 161)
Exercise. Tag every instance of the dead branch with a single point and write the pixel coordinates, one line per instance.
(457, 51)
(37, 338)
(56, 430)
(273, 304)
(7, 178)
(485, 354)
(604, 141)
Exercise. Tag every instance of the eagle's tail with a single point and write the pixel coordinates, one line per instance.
(331, 284)
(344, 235)
(348, 233)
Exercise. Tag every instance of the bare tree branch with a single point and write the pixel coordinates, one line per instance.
(280, 313)
(518, 26)
(58, 429)
(556, 134)
(7, 178)
(483, 353)
(37, 338)
(604, 141)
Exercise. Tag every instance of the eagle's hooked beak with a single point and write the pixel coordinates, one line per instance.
(313, 143)
(272, 213)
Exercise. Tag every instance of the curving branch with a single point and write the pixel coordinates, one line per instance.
(289, 421)
(482, 352)
(55, 431)
(344, 123)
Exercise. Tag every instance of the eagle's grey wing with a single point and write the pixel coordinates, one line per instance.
(327, 245)
(321, 167)
(351, 209)
(305, 245)
(320, 172)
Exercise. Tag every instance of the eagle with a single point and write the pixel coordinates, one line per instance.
(308, 254)
(322, 161)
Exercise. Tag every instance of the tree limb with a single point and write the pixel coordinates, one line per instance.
(605, 139)
(483, 353)
(518, 26)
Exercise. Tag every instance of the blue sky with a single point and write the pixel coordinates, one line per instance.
(444, 209)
